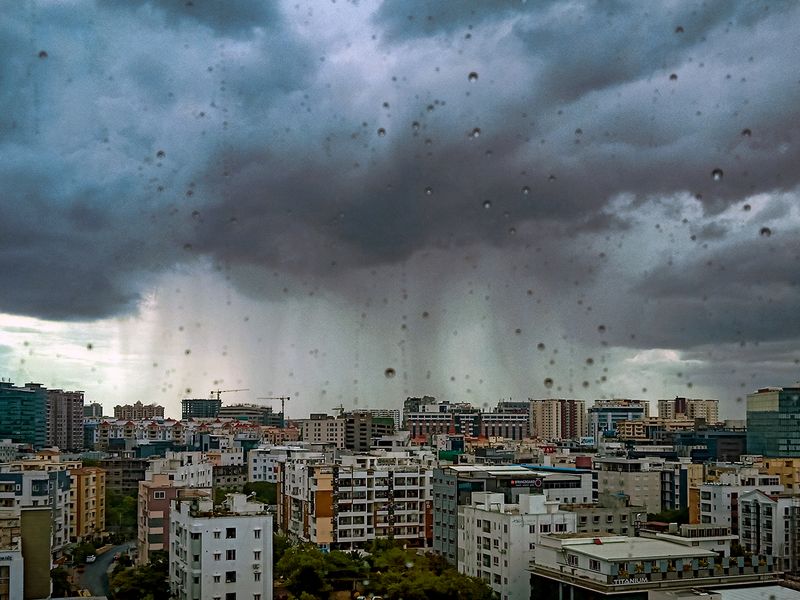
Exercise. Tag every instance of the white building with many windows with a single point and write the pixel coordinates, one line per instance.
(220, 553)
(497, 541)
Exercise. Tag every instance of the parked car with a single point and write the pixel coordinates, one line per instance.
(91, 558)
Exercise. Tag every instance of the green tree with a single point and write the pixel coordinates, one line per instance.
(121, 514)
(265, 491)
(679, 515)
(146, 582)
(280, 544)
(303, 569)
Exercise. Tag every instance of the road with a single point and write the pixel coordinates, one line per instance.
(95, 577)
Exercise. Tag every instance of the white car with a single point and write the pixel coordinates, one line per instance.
(91, 558)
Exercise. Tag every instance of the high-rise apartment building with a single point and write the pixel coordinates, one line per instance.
(773, 418)
(65, 419)
(220, 554)
(689, 408)
(87, 499)
(93, 410)
(24, 413)
(200, 408)
(138, 411)
(322, 429)
(558, 419)
(252, 413)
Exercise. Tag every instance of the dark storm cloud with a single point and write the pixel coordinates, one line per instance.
(279, 154)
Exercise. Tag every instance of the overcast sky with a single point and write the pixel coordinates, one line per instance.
(353, 202)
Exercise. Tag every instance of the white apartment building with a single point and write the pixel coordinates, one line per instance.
(263, 462)
(496, 541)
(220, 554)
(719, 502)
(689, 408)
(348, 502)
(771, 525)
(186, 469)
(389, 413)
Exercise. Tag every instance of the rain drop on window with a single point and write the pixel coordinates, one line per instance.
(381, 132)
(679, 29)
(548, 382)
(472, 77)
(160, 154)
(42, 54)
(673, 77)
(765, 231)
(717, 174)
(746, 133)
(428, 191)
(540, 346)
(389, 373)
(746, 207)
(487, 204)
(476, 132)
(526, 190)
(601, 328)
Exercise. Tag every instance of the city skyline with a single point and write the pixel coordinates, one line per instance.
(355, 203)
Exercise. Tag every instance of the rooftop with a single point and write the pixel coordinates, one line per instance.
(620, 548)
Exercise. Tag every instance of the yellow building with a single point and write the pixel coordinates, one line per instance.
(788, 469)
(87, 503)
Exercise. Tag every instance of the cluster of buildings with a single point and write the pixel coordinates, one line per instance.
(539, 498)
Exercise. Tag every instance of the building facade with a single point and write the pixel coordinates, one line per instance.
(322, 429)
(87, 501)
(604, 415)
(220, 554)
(689, 408)
(138, 411)
(557, 419)
(772, 422)
(497, 541)
(200, 408)
(65, 419)
(24, 411)
(640, 479)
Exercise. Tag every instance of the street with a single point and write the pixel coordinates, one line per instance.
(95, 577)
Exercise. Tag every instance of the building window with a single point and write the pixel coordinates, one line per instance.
(217, 555)
(230, 554)
(195, 535)
(159, 495)
(217, 578)
(256, 554)
(216, 535)
(257, 534)
(594, 565)
(257, 576)
(572, 560)
(230, 533)
(230, 576)
(544, 528)
(230, 596)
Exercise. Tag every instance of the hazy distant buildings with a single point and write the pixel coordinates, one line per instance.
(24, 413)
(322, 429)
(252, 413)
(773, 422)
(689, 408)
(93, 410)
(200, 408)
(138, 411)
(605, 414)
(558, 419)
(65, 419)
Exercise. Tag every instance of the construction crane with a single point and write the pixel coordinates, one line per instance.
(219, 392)
(340, 408)
(283, 400)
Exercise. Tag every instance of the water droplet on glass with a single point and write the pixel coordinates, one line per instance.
(540, 346)
(579, 131)
(512, 231)
(389, 373)
(679, 29)
(425, 314)
(585, 384)
(746, 133)
(89, 346)
(415, 126)
(487, 204)
(518, 331)
(187, 246)
(673, 77)
(472, 77)
(187, 351)
(428, 191)
(551, 177)
(746, 207)
(42, 54)
(526, 190)
(589, 361)
(548, 382)
(717, 174)
(160, 154)
(476, 132)
(381, 132)
(601, 328)
(766, 231)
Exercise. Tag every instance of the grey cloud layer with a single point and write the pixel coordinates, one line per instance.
(269, 123)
